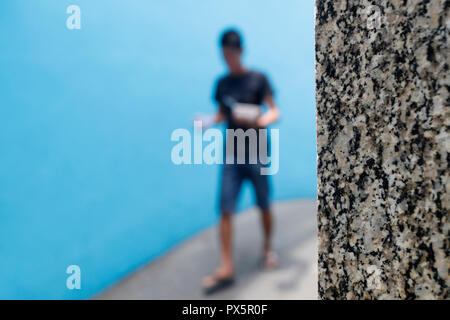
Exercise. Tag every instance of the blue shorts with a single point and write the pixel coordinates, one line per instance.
(232, 177)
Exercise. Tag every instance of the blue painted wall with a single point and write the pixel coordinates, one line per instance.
(85, 123)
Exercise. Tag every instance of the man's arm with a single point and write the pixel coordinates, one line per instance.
(210, 120)
(271, 115)
(220, 115)
(264, 120)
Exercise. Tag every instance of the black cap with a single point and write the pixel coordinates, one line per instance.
(231, 39)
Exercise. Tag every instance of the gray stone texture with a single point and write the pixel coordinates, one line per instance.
(383, 143)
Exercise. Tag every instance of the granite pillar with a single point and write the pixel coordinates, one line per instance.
(383, 117)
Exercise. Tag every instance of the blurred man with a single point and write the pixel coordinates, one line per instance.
(241, 86)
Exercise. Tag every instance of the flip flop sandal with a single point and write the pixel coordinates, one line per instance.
(220, 284)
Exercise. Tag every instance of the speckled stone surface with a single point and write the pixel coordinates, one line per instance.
(382, 87)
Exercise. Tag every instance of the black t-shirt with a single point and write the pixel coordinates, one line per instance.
(251, 87)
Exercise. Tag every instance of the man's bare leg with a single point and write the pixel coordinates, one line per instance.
(270, 258)
(225, 269)
(226, 265)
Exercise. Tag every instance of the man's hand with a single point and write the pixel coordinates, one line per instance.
(272, 115)
(264, 120)
(206, 120)
(210, 120)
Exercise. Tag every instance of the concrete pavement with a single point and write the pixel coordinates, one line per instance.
(178, 274)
